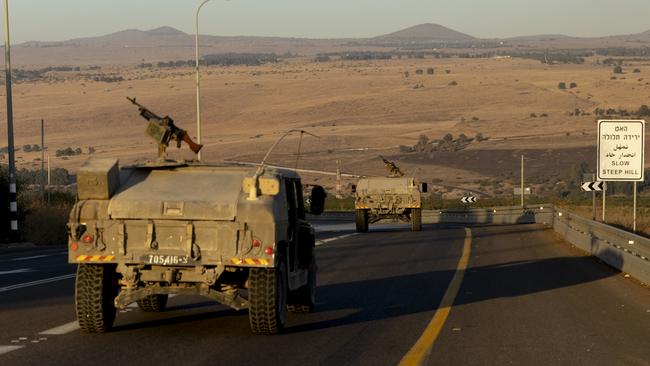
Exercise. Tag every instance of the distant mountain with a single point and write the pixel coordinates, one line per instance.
(166, 43)
(540, 38)
(427, 33)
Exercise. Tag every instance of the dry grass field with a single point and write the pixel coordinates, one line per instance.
(359, 109)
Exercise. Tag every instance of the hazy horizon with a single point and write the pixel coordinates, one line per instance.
(41, 20)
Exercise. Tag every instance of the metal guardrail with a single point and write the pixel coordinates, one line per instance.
(620, 249)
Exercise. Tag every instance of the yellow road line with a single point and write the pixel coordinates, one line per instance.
(417, 354)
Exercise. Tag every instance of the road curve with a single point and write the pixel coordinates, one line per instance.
(526, 298)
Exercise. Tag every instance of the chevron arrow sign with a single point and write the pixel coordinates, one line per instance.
(592, 186)
(468, 199)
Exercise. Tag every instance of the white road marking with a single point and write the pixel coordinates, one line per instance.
(37, 282)
(14, 271)
(37, 256)
(62, 329)
(7, 349)
(325, 241)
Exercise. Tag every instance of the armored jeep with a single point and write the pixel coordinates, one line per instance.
(233, 234)
(395, 198)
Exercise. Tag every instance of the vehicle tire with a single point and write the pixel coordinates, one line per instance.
(153, 303)
(362, 221)
(416, 219)
(303, 299)
(95, 290)
(267, 299)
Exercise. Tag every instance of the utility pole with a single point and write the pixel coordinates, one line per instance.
(49, 179)
(42, 159)
(198, 79)
(522, 181)
(338, 180)
(13, 207)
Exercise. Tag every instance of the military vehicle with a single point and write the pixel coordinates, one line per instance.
(237, 235)
(394, 197)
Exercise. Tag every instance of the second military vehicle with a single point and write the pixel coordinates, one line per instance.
(234, 234)
(394, 197)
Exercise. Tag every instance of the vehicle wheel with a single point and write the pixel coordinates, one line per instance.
(96, 288)
(303, 300)
(416, 219)
(362, 221)
(153, 303)
(267, 299)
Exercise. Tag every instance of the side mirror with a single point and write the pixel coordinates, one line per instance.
(424, 187)
(317, 200)
(354, 188)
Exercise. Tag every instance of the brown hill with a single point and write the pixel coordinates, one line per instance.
(427, 32)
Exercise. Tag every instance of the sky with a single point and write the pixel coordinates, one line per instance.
(56, 20)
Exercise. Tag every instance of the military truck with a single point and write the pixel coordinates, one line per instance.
(394, 197)
(237, 235)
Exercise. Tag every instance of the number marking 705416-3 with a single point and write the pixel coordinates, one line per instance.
(167, 260)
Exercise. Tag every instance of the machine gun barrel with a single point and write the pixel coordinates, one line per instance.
(163, 129)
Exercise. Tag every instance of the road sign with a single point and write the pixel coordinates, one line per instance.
(517, 191)
(468, 199)
(621, 151)
(592, 186)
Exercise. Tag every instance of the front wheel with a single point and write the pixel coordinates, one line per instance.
(95, 289)
(362, 221)
(267, 299)
(416, 219)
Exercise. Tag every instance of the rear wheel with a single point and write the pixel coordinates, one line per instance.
(95, 289)
(416, 219)
(153, 303)
(362, 221)
(267, 299)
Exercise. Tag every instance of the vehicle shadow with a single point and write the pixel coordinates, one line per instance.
(391, 297)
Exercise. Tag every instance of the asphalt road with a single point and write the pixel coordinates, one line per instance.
(525, 298)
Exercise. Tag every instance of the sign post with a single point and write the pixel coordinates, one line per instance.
(589, 185)
(621, 153)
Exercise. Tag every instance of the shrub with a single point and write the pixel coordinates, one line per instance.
(453, 83)
(618, 70)
(322, 58)
(636, 71)
(561, 85)
(406, 149)
(419, 72)
(533, 115)
(573, 85)
(430, 71)
(479, 137)
(448, 71)
(45, 225)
